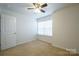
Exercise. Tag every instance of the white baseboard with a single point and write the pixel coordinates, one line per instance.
(67, 49)
(71, 50)
(18, 43)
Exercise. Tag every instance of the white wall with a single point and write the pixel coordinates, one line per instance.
(0, 33)
(26, 29)
(26, 26)
(66, 28)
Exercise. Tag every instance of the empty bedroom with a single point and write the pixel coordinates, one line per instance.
(39, 29)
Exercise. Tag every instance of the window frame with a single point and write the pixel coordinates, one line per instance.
(44, 28)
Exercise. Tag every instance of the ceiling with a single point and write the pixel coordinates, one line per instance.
(22, 8)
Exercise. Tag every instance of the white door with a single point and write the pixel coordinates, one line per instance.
(10, 31)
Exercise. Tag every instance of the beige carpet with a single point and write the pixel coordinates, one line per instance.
(35, 48)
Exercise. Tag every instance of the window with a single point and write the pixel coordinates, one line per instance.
(45, 27)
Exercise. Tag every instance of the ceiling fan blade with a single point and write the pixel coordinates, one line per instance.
(42, 10)
(30, 8)
(34, 4)
(44, 5)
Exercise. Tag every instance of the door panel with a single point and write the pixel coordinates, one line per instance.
(10, 31)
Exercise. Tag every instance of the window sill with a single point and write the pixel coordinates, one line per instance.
(43, 35)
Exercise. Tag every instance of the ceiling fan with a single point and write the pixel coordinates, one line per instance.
(38, 6)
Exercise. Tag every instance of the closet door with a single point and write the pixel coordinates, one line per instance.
(10, 31)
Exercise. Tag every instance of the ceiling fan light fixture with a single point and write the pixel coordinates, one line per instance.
(37, 10)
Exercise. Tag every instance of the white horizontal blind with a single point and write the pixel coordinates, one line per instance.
(45, 28)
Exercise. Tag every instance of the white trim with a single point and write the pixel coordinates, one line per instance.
(22, 42)
(67, 49)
